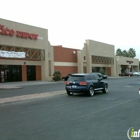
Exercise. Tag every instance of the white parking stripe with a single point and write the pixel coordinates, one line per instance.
(98, 111)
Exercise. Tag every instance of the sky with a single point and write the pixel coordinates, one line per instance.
(71, 22)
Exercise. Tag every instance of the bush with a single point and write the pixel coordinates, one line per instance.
(57, 76)
(102, 71)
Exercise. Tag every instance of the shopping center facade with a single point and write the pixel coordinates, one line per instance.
(26, 54)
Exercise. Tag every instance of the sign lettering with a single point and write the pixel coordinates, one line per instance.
(11, 32)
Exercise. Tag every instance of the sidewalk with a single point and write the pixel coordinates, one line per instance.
(15, 85)
(12, 85)
(116, 77)
(31, 96)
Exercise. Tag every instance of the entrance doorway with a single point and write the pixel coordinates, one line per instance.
(10, 73)
(31, 73)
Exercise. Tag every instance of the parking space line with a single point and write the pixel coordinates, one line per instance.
(98, 111)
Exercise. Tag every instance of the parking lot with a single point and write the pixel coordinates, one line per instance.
(79, 117)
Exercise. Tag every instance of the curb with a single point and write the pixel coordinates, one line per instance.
(9, 87)
(30, 96)
(20, 85)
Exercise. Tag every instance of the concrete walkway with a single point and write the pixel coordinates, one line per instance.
(11, 85)
(15, 85)
(31, 96)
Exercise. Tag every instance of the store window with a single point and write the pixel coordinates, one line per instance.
(31, 73)
(10, 73)
(84, 57)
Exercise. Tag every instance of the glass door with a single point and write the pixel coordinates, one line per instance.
(10, 73)
(15, 73)
(31, 73)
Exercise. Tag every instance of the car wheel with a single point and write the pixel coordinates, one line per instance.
(69, 93)
(91, 91)
(105, 90)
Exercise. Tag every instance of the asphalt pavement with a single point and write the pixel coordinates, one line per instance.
(79, 117)
(14, 85)
(11, 85)
(18, 91)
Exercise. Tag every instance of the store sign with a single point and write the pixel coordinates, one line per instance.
(6, 31)
(11, 32)
(12, 54)
(26, 35)
(129, 62)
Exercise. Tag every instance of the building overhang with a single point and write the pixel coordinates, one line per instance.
(31, 53)
(102, 60)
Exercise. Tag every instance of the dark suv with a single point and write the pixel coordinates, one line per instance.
(85, 83)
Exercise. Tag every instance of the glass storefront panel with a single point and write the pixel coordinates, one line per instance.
(31, 73)
(99, 69)
(10, 73)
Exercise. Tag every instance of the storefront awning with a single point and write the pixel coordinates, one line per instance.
(102, 60)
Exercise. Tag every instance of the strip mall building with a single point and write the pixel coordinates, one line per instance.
(26, 54)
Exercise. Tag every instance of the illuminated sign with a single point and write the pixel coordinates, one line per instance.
(21, 34)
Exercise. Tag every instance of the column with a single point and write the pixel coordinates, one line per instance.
(24, 73)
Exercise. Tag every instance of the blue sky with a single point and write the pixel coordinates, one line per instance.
(71, 22)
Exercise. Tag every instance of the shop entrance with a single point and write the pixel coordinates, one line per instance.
(31, 73)
(99, 69)
(10, 73)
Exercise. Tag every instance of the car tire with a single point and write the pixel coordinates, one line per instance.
(91, 91)
(105, 90)
(70, 93)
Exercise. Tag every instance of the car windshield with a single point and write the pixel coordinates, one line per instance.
(76, 78)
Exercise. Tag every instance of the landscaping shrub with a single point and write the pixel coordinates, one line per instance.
(57, 76)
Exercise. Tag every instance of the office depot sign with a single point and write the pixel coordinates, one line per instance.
(26, 35)
(21, 34)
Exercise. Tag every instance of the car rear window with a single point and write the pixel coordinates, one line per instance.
(76, 78)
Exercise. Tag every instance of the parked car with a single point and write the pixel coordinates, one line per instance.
(85, 83)
(66, 77)
(101, 75)
(126, 74)
(136, 73)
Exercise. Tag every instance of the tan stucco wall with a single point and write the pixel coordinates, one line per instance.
(100, 49)
(120, 60)
(94, 48)
(41, 43)
(21, 42)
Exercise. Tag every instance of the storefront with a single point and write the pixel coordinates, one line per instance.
(25, 52)
(10, 73)
(94, 57)
(26, 55)
(97, 56)
(126, 65)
